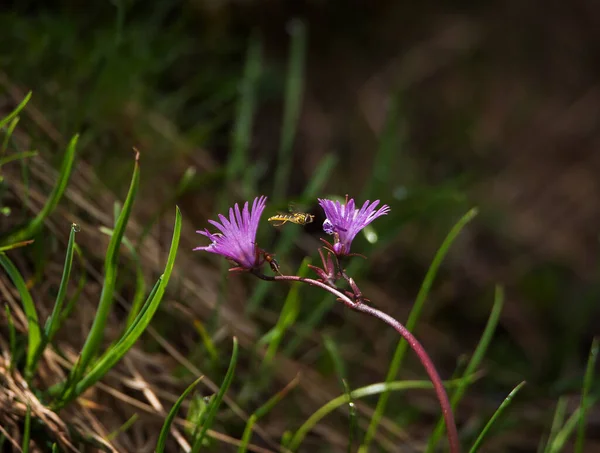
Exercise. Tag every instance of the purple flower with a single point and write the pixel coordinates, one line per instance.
(344, 221)
(237, 237)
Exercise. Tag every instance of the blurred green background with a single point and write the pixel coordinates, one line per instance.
(432, 107)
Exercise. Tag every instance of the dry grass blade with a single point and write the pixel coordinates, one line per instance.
(16, 397)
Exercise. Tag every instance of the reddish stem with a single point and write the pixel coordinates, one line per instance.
(405, 333)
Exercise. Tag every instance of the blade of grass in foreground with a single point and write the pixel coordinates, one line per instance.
(585, 393)
(4, 121)
(164, 432)
(492, 420)
(216, 401)
(110, 358)
(140, 282)
(17, 156)
(96, 334)
(293, 100)
(34, 335)
(63, 178)
(15, 245)
(373, 389)
(80, 285)
(473, 364)
(26, 430)
(557, 421)
(563, 434)
(7, 137)
(262, 411)
(415, 313)
(53, 322)
(110, 272)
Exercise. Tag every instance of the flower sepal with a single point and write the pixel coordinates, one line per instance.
(328, 274)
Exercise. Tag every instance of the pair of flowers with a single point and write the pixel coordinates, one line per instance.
(236, 239)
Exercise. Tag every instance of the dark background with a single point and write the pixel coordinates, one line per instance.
(432, 107)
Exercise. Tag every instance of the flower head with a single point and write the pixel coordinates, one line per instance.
(237, 237)
(344, 221)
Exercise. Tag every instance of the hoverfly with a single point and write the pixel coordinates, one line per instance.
(299, 218)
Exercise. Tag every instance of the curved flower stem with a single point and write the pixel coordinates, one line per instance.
(404, 332)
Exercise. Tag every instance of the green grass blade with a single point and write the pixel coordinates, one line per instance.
(36, 224)
(216, 402)
(247, 435)
(557, 421)
(562, 435)
(8, 118)
(17, 156)
(387, 153)
(117, 207)
(145, 307)
(80, 285)
(9, 132)
(164, 432)
(336, 358)
(34, 336)
(242, 132)
(123, 428)
(415, 313)
(132, 334)
(288, 235)
(340, 370)
(342, 400)
(587, 384)
(473, 364)
(26, 431)
(209, 346)
(320, 177)
(314, 318)
(494, 417)
(262, 411)
(53, 322)
(185, 184)
(293, 102)
(353, 422)
(16, 245)
(140, 282)
(287, 317)
(96, 334)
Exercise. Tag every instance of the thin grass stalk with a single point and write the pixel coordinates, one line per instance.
(476, 359)
(585, 392)
(494, 417)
